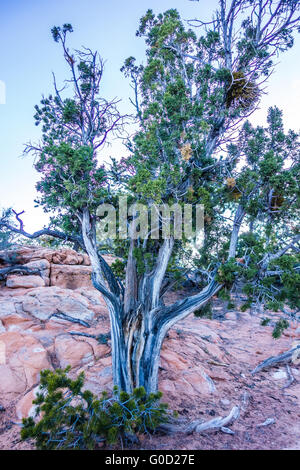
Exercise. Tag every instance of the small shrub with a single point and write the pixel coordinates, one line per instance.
(265, 321)
(205, 311)
(231, 306)
(70, 418)
(280, 326)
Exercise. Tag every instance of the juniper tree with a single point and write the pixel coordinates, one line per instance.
(6, 235)
(191, 97)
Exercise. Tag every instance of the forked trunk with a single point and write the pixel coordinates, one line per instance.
(139, 320)
(136, 347)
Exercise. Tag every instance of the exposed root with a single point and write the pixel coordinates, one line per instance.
(275, 360)
(63, 316)
(79, 333)
(101, 338)
(215, 424)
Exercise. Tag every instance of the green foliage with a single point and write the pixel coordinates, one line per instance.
(246, 305)
(72, 418)
(280, 326)
(268, 191)
(49, 242)
(231, 306)
(187, 96)
(190, 98)
(228, 272)
(224, 294)
(57, 30)
(119, 268)
(6, 236)
(265, 321)
(204, 312)
(70, 179)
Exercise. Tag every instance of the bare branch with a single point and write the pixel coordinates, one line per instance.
(45, 231)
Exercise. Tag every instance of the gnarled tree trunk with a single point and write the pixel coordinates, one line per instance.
(139, 319)
(137, 344)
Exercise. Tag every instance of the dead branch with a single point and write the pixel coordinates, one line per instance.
(275, 360)
(227, 431)
(17, 214)
(215, 424)
(267, 422)
(45, 231)
(19, 269)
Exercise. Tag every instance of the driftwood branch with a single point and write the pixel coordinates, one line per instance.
(275, 360)
(216, 424)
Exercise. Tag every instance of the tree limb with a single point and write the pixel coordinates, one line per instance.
(45, 231)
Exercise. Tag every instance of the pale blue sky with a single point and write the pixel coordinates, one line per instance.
(29, 55)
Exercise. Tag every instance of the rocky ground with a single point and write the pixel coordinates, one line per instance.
(205, 364)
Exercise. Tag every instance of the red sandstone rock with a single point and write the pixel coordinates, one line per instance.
(25, 408)
(71, 277)
(44, 266)
(17, 322)
(7, 307)
(25, 356)
(67, 256)
(42, 303)
(14, 281)
(12, 382)
(73, 352)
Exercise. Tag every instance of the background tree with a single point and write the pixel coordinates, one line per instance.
(6, 238)
(190, 98)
